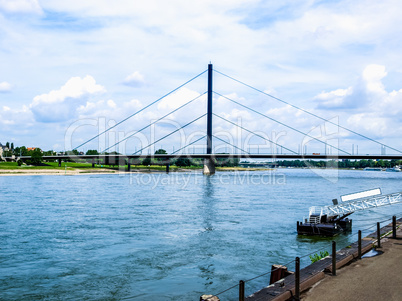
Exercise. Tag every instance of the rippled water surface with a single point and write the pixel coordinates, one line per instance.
(164, 236)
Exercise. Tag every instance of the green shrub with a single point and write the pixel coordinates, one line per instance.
(317, 257)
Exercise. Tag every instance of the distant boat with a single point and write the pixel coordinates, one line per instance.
(373, 169)
(394, 169)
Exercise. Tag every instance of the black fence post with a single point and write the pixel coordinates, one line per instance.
(297, 279)
(241, 290)
(378, 236)
(359, 247)
(394, 227)
(333, 258)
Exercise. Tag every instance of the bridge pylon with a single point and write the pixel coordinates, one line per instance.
(209, 164)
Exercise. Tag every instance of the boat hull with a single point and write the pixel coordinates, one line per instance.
(325, 229)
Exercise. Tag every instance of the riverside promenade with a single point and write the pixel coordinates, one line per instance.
(374, 278)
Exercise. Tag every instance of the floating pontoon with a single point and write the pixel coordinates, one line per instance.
(333, 220)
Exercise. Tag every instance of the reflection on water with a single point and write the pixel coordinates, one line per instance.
(207, 241)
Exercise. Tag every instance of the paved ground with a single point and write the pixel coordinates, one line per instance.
(376, 278)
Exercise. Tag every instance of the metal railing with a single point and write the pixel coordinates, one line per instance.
(296, 282)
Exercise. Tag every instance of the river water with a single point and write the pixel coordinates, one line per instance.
(165, 236)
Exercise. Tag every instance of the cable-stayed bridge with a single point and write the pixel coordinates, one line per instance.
(209, 156)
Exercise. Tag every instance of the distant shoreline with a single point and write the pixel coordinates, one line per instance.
(105, 171)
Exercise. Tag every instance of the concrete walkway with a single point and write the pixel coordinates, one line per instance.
(375, 278)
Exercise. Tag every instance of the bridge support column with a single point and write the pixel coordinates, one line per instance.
(128, 164)
(209, 167)
(167, 168)
(93, 162)
(59, 162)
(209, 164)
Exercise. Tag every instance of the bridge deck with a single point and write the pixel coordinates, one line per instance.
(224, 156)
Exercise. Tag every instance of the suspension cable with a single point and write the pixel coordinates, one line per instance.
(292, 128)
(170, 134)
(305, 111)
(243, 128)
(189, 144)
(132, 115)
(155, 121)
(231, 144)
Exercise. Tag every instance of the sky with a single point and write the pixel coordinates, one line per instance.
(71, 69)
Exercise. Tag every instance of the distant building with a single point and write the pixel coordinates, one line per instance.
(33, 148)
(3, 147)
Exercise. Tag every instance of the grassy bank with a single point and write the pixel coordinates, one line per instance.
(87, 167)
(47, 165)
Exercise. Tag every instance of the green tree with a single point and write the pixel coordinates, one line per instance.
(8, 144)
(227, 162)
(92, 152)
(146, 161)
(7, 153)
(74, 152)
(181, 162)
(49, 153)
(333, 164)
(12, 145)
(36, 157)
(21, 151)
(160, 152)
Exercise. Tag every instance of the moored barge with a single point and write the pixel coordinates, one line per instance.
(333, 220)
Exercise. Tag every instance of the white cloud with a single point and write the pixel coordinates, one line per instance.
(20, 6)
(177, 99)
(61, 105)
(19, 119)
(367, 90)
(135, 79)
(333, 99)
(295, 49)
(5, 87)
(375, 112)
(111, 104)
(369, 123)
(372, 78)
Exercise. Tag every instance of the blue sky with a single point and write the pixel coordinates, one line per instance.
(69, 68)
